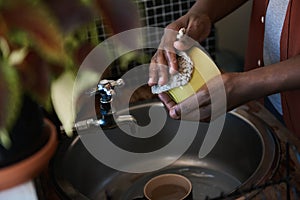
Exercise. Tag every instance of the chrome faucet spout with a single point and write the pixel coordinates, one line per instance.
(108, 119)
(109, 123)
(106, 91)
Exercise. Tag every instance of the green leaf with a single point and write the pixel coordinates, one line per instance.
(36, 23)
(61, 95)
(17, 56)
(11, 93)
(4, 48)
(4, 138)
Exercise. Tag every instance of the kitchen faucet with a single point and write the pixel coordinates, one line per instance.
(107, 120)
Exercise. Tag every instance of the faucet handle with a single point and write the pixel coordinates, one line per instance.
(120, 82)
(107, 85)
(111, 83)
(106, 89)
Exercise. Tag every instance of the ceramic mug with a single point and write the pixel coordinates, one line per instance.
(168, 186)
(204, 70)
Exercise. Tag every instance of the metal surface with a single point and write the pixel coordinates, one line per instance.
(245, 155)
(104, 98)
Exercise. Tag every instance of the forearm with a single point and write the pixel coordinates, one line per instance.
(279, 77)
(216, 9)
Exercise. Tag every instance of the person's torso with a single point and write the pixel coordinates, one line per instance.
(289, 47)
(274, 20)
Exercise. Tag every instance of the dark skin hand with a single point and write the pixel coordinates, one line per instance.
(197, 22)
(238, 88)
(166, 56)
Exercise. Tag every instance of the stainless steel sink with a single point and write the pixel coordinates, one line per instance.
(246, 154)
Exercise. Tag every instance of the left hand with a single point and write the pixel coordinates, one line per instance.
(164, 62)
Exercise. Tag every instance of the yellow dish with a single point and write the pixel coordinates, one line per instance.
(204, 70)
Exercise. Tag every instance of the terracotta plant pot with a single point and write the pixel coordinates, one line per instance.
(31, 166)
(26, 135)
(34, 140)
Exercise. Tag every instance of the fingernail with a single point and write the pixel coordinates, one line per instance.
(172, 70)
(151, 82)
(173, 113)
(161, 81)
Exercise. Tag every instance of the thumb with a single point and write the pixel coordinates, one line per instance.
(184, 43)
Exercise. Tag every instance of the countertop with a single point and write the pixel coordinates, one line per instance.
(284, 184)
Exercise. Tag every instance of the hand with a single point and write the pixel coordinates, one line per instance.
(225, 92)
(164, 61)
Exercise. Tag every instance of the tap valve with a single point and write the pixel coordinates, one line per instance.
(105, 89)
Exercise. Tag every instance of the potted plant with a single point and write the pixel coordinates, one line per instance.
(39, 42)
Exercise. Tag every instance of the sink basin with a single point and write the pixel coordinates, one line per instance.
(246, 154)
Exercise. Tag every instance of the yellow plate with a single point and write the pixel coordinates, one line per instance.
(204, 70)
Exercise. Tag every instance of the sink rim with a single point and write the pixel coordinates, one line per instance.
(269, 162)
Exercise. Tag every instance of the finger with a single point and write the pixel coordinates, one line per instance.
(202, 114)
(184, 108)
(167, 101)
(196, 31)
(174, 112)
(169, 51)
(153, 71)
(199, 29)
(194, 102)
(184, 43)
(163, 69)
(203, 96)
(163, 75)
(172, 62)
(188, 105)
(197, 114)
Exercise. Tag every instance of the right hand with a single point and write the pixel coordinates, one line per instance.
(164, 61)
(221, 93)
